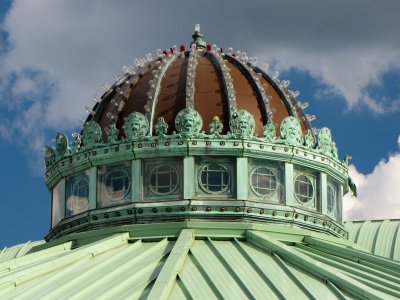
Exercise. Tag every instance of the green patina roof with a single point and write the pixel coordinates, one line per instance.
(380, 237)
(197, 260)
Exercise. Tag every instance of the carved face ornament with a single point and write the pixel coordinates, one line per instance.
(61, 143)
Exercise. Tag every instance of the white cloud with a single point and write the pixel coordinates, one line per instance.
(62, 51)
(378, 192)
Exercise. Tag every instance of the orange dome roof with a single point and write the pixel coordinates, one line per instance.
(214, 83)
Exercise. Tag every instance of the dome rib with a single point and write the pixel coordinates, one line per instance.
(260, 95)
(156, 88)
(289, 102)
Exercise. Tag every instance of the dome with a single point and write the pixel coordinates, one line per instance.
(200, 135)
(208, 80)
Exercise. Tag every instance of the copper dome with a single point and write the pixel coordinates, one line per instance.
(214, 84)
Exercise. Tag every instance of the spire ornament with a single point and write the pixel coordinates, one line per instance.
(113, 134)
(198, 40)
(161, 127)
(309, 140)
(269, 132)
(325, 141)
(216, 127)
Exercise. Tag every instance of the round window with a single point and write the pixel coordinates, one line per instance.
(163, 180)
(303, 189)
(117, 184)
(264, 182)
(331, 205)
(214, 178)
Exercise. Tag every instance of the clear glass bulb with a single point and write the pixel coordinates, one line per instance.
(197, 28)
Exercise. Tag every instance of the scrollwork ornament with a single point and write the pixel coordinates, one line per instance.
(216, 127)
(113, 134)
(242, 124)
(325, 141)
(269, 132)
(49, 156)
(188, 122)
(136, 126)
(161, 127)
(309, 140)
(61, 145)
(92, 135)
(291, 131)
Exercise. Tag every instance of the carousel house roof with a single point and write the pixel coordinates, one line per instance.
(198, 175)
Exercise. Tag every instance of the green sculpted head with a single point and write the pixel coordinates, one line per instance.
(61, 144)
(188, 121)
(136, 125)
(291, 131)
(92, 135)
(242, 124)
(49, 155)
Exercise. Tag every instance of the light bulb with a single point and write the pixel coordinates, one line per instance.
(265, 67)
(304, 105)
(310, 118)
(197, 28)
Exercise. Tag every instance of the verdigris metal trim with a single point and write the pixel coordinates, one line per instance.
(164, 283)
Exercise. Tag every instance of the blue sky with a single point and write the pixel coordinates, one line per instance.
(55, 55)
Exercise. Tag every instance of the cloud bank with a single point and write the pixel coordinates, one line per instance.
(378, 192)
(55, 55)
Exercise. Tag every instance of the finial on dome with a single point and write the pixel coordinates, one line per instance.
(198, 39)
